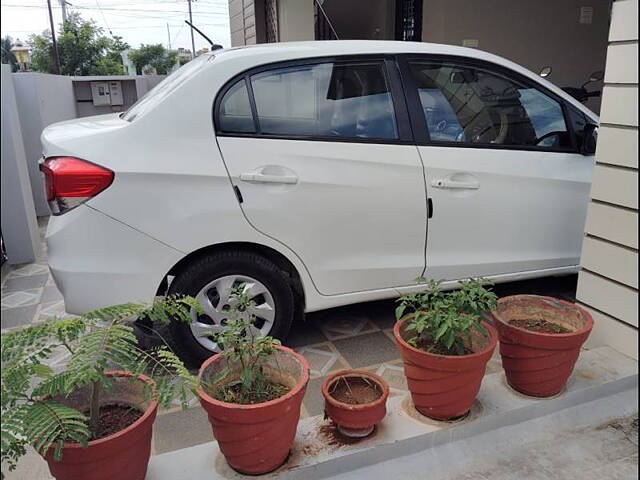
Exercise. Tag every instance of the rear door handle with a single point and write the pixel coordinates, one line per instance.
(454, 184)
(259, 177)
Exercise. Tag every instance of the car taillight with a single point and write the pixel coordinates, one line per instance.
(70, 181)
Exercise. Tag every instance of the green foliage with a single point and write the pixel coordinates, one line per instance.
(8, 57)
(246, 352)
(154, 56)
(82, 47)
(444, 321)
(98, 341)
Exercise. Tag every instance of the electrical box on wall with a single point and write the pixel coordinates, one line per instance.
(106, 93)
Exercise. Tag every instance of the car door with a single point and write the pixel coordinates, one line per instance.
(508, 186)
(322, 156)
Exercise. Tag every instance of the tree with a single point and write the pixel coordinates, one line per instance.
(82, 47)
(6, 44)
(155, 56)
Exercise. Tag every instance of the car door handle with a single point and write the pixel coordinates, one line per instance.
(454, 184)
(259, 177)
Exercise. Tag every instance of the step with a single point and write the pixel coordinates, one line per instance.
(599, 373)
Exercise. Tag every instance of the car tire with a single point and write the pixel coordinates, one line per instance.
(192, 279)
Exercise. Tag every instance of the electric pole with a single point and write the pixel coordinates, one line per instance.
(63, 4)
(168, 36)
(193, 43)
(56, 55)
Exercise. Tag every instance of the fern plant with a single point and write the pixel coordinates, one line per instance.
(97, 341)
(444, 322)
(246, 352)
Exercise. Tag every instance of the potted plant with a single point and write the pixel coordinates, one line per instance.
(252, 392)
(355, 401)
(92, 420)
(445, 346)
(540, 341)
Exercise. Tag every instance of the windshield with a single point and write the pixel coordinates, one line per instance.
(157, 94)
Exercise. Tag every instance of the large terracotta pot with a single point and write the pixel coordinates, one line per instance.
(124, 454)
(360, 419)
(539, 364)
(445, 386)
(257, 438)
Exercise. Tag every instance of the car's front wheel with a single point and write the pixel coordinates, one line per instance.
(210, 279)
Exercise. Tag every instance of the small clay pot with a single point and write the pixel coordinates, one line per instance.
(539, 364)
(124, 454)
(355, 420)
(257, 438)
(444, 387)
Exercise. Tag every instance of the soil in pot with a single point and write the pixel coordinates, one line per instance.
(114, 417)
(539, 325)
(234, 394)
(354, 390)
(426, 345)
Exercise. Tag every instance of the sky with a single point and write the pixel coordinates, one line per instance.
(137, 21)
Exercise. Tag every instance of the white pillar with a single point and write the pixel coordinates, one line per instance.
(295, 20)
(19, 224)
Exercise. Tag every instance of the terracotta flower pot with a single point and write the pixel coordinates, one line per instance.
(257, 438)
(355, 420)
(124, 454)
(445, 386)
(539, 364)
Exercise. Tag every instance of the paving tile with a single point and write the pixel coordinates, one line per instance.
(369, 349)
(313, 400)
(19, 316)
(393, 374)
(322, 359)
(381, 314)
(339, 323)
(23, 283)
(29, 270)
(52, 309)
(50, 293)
(181, 429)
(20, 298)
(304, 333)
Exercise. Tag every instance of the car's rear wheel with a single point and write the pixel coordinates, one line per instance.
(209, 279)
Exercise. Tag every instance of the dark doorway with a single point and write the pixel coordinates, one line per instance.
(409, 20)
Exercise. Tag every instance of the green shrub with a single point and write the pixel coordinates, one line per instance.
(97, 341)
(443, 322)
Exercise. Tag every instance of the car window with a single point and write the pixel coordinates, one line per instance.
(578, 122)
(154, 96)
(463, 104)
(326, 100)
(235, 110)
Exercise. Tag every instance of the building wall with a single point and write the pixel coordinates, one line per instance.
(42, 99)
(532, 33)
(246, 21)
(608, 282)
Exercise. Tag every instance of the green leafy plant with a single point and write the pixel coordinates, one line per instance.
(246, 352)
(444, 322)
(97, 341)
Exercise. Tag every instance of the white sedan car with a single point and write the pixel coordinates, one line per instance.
(318, 174)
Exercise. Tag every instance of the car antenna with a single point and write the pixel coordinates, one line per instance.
(214, 46)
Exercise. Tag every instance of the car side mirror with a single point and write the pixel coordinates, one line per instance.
(590, 139)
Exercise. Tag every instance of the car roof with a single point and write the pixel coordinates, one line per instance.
(249, 56)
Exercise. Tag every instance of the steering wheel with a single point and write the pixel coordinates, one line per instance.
(556, 133)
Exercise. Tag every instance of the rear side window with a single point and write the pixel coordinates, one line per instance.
(322, 100)
(235, 110)
(469, 105)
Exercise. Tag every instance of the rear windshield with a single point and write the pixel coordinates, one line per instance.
(157, 94)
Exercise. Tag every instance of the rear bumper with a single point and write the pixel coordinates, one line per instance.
(98, 261)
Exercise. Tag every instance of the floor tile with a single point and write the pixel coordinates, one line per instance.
(19, 316)
(344, 323)
(304, 333)
(52, 309)
(322, 359)
(313, 400)
(29, 270)
(181, 429)
(20, 298)
(50, 293)
(15, 284)
(368, 349)
(382, 313)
